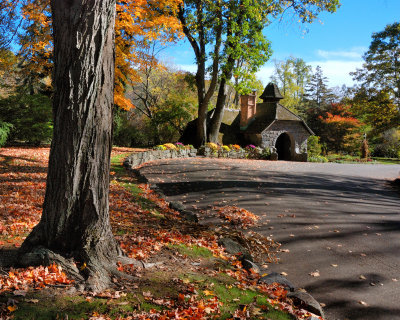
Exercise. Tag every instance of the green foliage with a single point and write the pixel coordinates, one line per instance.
(4, 132)
(292, 76)
(319, 95)
(375, 108)
(192, 251)
(30, 116)
(164, 105)
(381, 69)
(128, 132)
(266, 154)
(387, 144)
(317, 159)
(314, 148)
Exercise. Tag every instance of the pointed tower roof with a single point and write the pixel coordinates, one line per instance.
(271, 93)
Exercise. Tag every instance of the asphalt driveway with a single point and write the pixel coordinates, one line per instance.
(338, 223)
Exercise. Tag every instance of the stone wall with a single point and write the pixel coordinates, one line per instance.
(298, 136)
(136, 159)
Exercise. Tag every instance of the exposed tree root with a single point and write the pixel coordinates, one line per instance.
(94, 275)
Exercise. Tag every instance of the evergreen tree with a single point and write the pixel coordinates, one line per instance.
(381, 69)
(319, 95)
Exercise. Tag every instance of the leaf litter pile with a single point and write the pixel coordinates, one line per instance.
(184, 273)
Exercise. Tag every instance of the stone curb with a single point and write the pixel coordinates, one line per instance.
(300, 298)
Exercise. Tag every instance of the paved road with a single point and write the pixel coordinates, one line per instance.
(342, 220)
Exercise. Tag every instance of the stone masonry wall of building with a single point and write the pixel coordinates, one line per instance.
(294, 129)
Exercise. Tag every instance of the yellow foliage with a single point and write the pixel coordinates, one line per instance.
(137, 23)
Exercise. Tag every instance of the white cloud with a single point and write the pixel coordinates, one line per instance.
(337, 71)
(353, 53)
(265, 73)
(187, 67)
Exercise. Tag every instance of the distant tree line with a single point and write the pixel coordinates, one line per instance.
(342, 117)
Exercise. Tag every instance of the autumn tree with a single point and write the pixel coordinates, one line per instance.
(138, 22)
(9, 22)
(36, 52)
(381, 69)
(376, 108)
(338, 128)
(162, 97)
(75, 221)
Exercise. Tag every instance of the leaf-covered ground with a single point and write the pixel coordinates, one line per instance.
(187, 275)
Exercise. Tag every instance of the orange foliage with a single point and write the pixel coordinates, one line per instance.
(38, 278)
(237, 216)
(22, 185)
(330, 118)
(138, 22)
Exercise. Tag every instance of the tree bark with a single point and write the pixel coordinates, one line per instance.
(203, 96)
(227, 72)
(216, 119)
(75, 220)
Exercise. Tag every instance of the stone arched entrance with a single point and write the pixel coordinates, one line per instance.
(283, 147)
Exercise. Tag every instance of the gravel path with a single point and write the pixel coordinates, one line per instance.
(340, 222)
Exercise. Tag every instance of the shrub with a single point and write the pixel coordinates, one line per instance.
(388, 145)
(170, 146)
(4, 132)
(30, 117)
(160, 147)
(317, 159)
(180, 145)
(364, 149)
(235, 147)
(266, 154)
(314, 148)
(226, 148)
(212, 146)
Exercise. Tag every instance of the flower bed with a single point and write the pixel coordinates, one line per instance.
(211, 150)
(165, 151)
(234, 151)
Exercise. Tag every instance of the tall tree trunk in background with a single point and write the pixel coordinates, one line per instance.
(198, 44)
(218, 114)
(201, 126)
(75, 222)
(216, 119)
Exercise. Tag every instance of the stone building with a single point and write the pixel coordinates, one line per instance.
(271, 125)
(266, 125)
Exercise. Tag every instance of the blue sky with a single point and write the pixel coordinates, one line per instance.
(336, 42)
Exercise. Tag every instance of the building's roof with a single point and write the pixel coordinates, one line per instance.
(269, 113)
(271, 93)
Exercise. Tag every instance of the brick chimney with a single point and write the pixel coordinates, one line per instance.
(247, 109)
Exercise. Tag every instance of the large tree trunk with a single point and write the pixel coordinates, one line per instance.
(75, 222)
(218, 114)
